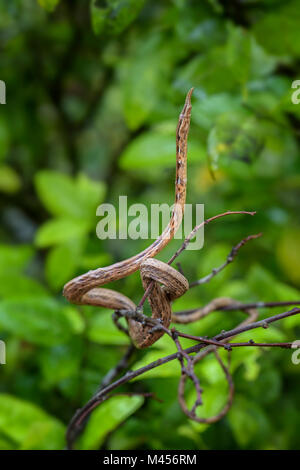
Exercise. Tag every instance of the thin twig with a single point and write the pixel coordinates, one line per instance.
(230, 258)
(202, 224)
(120, 366)
(185, 244)
(228, 346)
(192, 414)
(99, 397)
(188, 371)
(240, 306)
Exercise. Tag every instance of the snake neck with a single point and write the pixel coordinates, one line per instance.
(77, 287)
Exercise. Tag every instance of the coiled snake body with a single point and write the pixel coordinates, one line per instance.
(85, 289)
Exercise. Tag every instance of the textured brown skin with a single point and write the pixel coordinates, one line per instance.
(174, 286)
(85, 290)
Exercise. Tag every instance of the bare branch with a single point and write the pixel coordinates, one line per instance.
(120, 366)
(230, 258)
(75, 423)
(192, 414)
(187, 241)
(178, 317)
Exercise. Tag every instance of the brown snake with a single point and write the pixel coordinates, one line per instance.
(85, 289)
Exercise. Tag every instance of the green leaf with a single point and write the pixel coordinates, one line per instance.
(75, 318)
(288, 254)
(58, 193)
(247, 358)
(28, 425)
(14, 258)
(63, 196)
(212, 258)
(101, 329)
(145, 74)
(9, 180)
(49, 5)
(238, 50)
(268, 385)
(14, 285)
(262, 63)
(91, 193)
(99, 17)
(48, 435)
(156, 149)
(236, 289)
(266, 286)
(248, 421)
(209, 108)
(210, 72)
(61, 264)
(61, 362)
(36, 320)
(233, 142)
(284, 18)
(214, 400)
(60, 231)
(171, 369)
(115, 16)
(95, 260)
(106, 418)
(4, 138)
(6, 444)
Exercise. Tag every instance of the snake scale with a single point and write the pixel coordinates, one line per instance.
(168, 284)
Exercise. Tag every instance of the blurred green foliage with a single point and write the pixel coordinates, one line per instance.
(94, 89)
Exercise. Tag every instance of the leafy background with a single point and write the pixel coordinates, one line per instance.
(93, 94)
